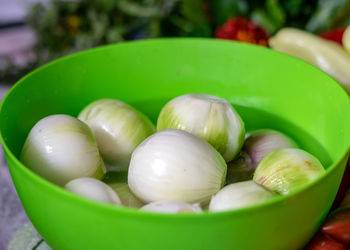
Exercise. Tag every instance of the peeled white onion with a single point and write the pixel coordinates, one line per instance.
(172, 207)
(258, 144)
(211, 118)
(287, 169)
(118, 129)
(175, 165)
(94, 190)
(238, 195)
(261, 142)
(61, 148)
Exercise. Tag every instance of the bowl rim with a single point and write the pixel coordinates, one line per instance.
(92, 204)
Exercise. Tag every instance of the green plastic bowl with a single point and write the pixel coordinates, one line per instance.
(269, 90)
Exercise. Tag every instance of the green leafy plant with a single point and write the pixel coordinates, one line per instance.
(64, 27)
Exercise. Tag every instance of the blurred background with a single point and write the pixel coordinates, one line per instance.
(34, 32)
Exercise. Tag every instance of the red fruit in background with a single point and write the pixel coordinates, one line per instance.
(337, 225)
(334, 35)
(324, 242)
(243, 30)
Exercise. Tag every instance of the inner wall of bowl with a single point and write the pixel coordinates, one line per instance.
(268, 89)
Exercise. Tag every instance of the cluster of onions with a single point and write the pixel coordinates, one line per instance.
(199, 147)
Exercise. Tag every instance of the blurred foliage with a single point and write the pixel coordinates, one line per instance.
(329, 14)
(64, 26)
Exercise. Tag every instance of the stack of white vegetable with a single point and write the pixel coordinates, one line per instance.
(181, 168)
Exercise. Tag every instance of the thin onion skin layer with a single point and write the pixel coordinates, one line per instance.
(174, 165)
(211, 118)
(118, 129)
(93, 189)
(61, 148)
(285, 170)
